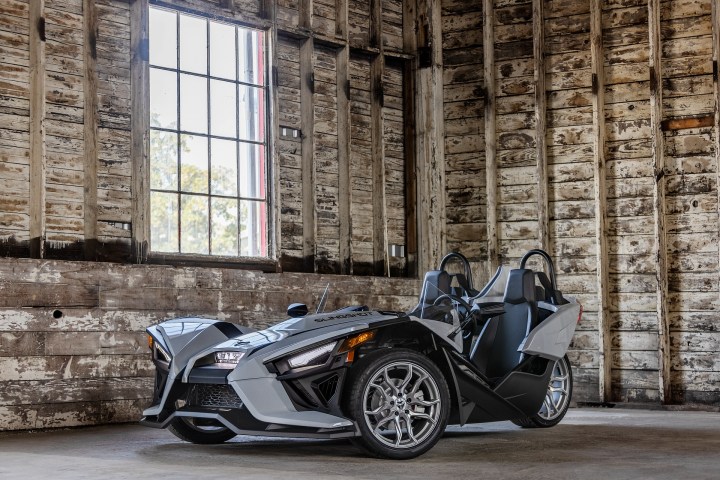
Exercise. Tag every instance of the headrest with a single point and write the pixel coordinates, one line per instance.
(437, 282)
(520, 287)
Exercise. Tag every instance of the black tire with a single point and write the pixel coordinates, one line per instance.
(184, 429)
(415, 393)
(543, 419)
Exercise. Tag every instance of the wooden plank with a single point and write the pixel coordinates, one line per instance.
(600, 200)
(685, 123)
(658, 159)
(409, 119)
(269, 11)
(90, 94)
(430, 139)
(490, 135)
(540, 122)
(140, 146)
(305, 8)
(343, 160)
(379, 205)
(341, 20)
(376, 21)
(307, 114)
(37, 130)
(716, 91)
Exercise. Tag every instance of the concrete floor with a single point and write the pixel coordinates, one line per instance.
(590, 443)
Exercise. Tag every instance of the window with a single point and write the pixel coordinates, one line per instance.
(208, 143)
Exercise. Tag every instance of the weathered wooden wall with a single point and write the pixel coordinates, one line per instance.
(73, 180)
(72, 344)
(588, 127)
(71, 191)
(623, 96)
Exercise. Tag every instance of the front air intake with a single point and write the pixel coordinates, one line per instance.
(214, 396)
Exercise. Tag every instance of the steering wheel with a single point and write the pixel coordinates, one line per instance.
(455, 298)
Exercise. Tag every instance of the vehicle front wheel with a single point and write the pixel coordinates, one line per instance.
(557, 398)
(188, 430)
(400, 401)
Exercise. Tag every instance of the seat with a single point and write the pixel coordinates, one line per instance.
(495, 352)
(463, 288)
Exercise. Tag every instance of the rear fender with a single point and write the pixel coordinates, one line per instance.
(552, 337)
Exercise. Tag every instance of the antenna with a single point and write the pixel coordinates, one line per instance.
(321, 305)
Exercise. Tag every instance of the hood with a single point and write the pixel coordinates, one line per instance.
(318, 324)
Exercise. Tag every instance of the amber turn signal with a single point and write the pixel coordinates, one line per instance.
(150, 341)
(359, 339)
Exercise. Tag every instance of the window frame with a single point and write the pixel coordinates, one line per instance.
(141, 211)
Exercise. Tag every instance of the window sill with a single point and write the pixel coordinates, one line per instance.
(267, 265)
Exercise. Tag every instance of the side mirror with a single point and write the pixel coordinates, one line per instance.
(297, 310)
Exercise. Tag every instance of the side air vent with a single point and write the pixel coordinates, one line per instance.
(325, 388)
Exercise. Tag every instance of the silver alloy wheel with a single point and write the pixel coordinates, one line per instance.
(401, 404)
(557, 395)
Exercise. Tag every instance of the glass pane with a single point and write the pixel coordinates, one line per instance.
(164, 222)
(194, 163)
(251, 56)
(253, 229)
(163, 160)
(252, 170)
(163, 99)
(223, 117)
(193, 103)
(222, 51)
(194, 224)
(224, 226)
(252, 113)
(163, 38)
(224, 167)
(193, 44)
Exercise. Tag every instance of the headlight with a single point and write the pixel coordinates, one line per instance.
(160, 352)
(228, 358)
(163, 352)
(316, 356)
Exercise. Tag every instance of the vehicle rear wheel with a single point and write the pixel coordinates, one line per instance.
(401, 403)
(557, 398)
(189, 430)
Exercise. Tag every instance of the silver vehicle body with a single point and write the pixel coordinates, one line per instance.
(267, 397)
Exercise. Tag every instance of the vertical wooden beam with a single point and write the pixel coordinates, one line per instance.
(409, 132)
(90, 93)
(658, 156)
(599, 175)
(430, 170)
(37, 128)
(343, 129)
(376, 23)
(307, 121)
(344, 138)
(540, 123)
(490, 135)
(269, 11)
(716, 88)
(341, 19)
(140, 87)
(381, 258)
(305, 8)
(380, 249)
